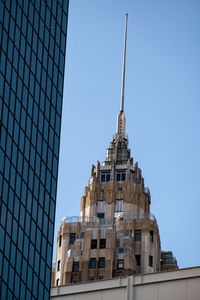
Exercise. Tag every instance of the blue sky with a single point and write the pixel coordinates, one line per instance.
(162, 107)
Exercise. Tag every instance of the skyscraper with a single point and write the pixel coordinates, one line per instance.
(32, 59)
(116, 234)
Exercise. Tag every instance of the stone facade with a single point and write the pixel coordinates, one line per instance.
(115, 235)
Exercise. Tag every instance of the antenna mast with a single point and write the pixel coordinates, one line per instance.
(124, 65)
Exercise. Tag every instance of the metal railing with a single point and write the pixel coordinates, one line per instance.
(95, 221)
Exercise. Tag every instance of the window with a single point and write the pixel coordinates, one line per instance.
(76, 266)
(92, 263)
(72, 238)
(100, 206)
(120, 264)
(105, 176)
(121, 176)
(100, 215)
(138, 235)
(150, 261)
(60, 240)
(74, 281)
(151, 236)
(57, 282)
(102, 243)
(58, 268)
(82, 235)
(100, 277)
(137, 257)
(119, 206)
(91, 278)
(93, 244)
(101, 262)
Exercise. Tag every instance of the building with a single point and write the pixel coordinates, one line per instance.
(116, 234)
(181, 284)
(32, 60)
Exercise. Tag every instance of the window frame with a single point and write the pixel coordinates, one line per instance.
(121, 176)
(138, 260)
(93, 243)
(101, 263)
(120, 264)
(75, 268)
(138, 235)
(101, 215)
(93, 263)
(58, 266)
(102, 243)
(72, 238)
(105, 177)
(60, 240)
(150, 261)
(151, 236)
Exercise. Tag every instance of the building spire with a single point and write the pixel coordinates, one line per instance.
(121, 119)
(124, 66)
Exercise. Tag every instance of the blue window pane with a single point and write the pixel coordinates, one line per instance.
(5, 270)
(11, 200)
(13, 254)
(20, 239)
(31, 13)
(9, 224)
(18, 262)
(17, 37)
(12, 29)
(41, 30)
(29, 278)
(19, 15)
(35, 42)
(31, 254)
(24, 22)
(30, 31)
(5, 115)
(14, 231)
(3, 63)
(17, 285)
(3, 215)
(4, 41)
(2, 233)
(28, 54)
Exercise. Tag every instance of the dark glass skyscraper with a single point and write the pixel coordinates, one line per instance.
(32, 59)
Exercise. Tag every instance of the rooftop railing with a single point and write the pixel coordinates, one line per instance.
(95, 221)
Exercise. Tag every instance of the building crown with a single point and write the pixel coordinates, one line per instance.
(118, 151)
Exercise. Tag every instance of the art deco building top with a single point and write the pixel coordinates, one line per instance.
(116, 234)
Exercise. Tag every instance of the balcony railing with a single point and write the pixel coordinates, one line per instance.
(95, 221)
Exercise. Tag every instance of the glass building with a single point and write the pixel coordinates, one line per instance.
(32, 60)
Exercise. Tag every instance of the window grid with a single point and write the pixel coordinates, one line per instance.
(19, 148)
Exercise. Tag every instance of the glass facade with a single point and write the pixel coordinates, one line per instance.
(32, 60)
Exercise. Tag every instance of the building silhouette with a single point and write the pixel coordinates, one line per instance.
(116, 234)
(32, 60)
